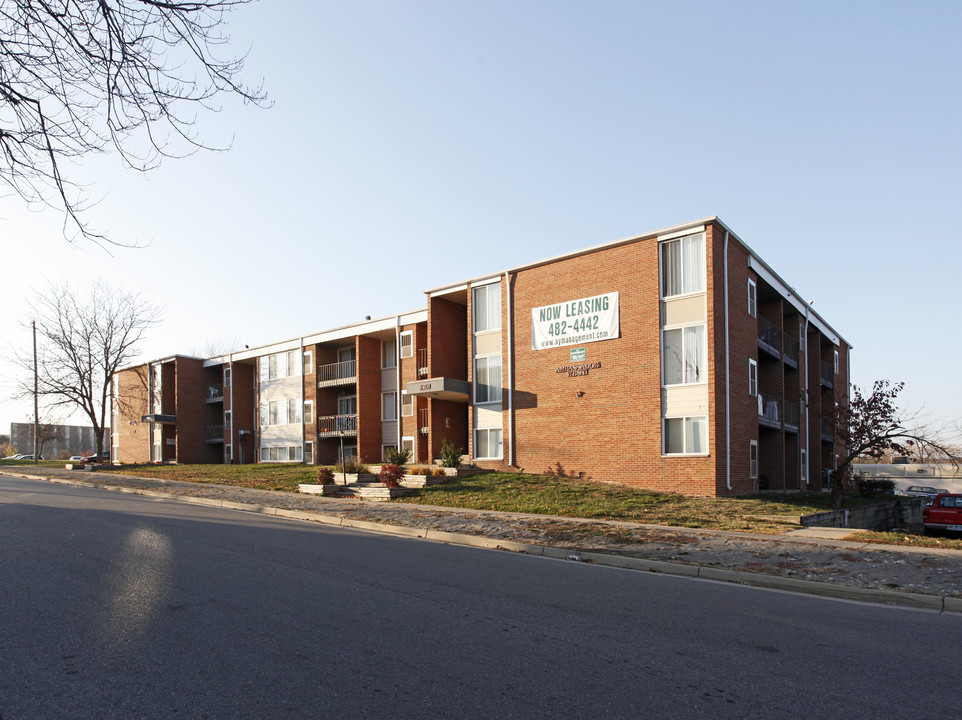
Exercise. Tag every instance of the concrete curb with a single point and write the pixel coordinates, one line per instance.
(937, 603)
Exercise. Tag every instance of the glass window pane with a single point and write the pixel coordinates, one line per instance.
(673, 363)
(674, 435)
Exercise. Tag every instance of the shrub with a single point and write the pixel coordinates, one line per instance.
(419, 470)
(875, 487)
(439, 472)
(390, 475)
(325, 476)
(397, 457)
(450, 455)
(351, 465)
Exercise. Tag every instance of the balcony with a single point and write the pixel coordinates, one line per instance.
(827, 374)
(769, 338)
(791, 416)
(828, 430)
(791, 354)
(339, 373)
(424, 419)
(214, 434)
(423, 362)
(215, 393)
(769, 411)
(337, 426)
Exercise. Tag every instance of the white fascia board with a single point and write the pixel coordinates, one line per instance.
(683, 229)
(804, 309)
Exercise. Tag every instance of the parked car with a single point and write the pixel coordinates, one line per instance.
(945, 513)
(13, 457)
(27, 457)
(929, 493)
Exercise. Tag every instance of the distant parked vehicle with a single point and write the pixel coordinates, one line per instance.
(929, 493)
(945, 513)
(27, 457)
(13, 457)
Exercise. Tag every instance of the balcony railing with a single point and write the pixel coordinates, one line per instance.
(827, 374)
(337, 425)
(215, 393)
(828, 430)
(769, 411)
(214, 433)
(791, 416)
(339, 373)
(423, 420)
(423, 361)
(791, 350)
(769, 337)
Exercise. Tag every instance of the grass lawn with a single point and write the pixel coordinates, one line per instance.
(768, 513)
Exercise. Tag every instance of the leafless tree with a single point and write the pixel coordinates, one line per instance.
(82, 340)
(85, 76)
(872, 425)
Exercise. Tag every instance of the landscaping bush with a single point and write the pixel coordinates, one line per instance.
(420, 470)
(325, 476)
(439, 472)
(351, 465)
(450, 455)
(397, 457)
(875, 487)
(390, 475)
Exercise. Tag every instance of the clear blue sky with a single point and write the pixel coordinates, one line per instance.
(419, 143)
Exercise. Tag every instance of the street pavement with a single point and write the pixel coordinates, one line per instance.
(812, 560)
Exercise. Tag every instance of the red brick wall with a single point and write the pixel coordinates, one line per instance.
(369, 399)
(133, 403)
(191, 380)
(448, 328)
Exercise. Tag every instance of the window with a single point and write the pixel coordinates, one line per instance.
(753, 459)
(836, 362)
(227, 377)
(388, 354)
(752, 377)
(407, 443)
(308, 411)
(308, 362)
(407, 405)
(309, 452)
(683, 266)
(407, 344)
(284, 453)
(805, 465)
(272, 367)
(487, 443)
(752, 299)
(292, 369)
(384, 449)
(486, 307)
(487, 379)
(685, 355)
(686, 436)
(272, 413)
(389, 406)
(227, 454)
(293, 416)
(227, 420)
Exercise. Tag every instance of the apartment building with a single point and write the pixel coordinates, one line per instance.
(677, 360)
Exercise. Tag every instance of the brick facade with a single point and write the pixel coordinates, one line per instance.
(604, 422)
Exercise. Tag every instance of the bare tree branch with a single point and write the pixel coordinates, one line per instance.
(86, 76)
(83, 340)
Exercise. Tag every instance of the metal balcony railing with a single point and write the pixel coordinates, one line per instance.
(422, 361)
(339, 373)
(828, 429)
(791, 416)
(337, 425)
(827, 374)
(215, 393)
(791, 350)
(214, 433)
(769, 337)
(769, 411)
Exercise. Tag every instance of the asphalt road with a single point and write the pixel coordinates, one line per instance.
(118, 606)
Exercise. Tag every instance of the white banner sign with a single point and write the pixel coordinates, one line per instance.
(577, 321)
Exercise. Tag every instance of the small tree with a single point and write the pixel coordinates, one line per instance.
(872, 425)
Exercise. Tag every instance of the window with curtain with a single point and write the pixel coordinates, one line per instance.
(388, 354)
(685, 355)
(685, 436)
(487, 379)
(486, 307)
(487, 443)
(683, 265)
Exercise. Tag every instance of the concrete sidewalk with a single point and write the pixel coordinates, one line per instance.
(810, 560)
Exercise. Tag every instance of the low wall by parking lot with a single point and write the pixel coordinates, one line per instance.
(885, 515)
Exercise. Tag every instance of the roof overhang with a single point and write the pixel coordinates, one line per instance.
(440, 388)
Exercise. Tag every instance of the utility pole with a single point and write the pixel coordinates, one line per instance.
(36, 403)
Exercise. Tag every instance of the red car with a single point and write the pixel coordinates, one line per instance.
(945, 513)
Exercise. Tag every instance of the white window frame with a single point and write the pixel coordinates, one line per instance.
(272, 369)
(407, 405)
(689, 285)
(702, 359)
(753, 459)
(752, 298)
(804, 465)
(489, 297)
(407, 443)
(308, 412)
(293, 416)
(309, 452)
(273, 410)
(492, 393)
(308, 361)
(389, 406)
(836, 362)
(228, 454)
(292, 369)
(388, 354)
(227, 373)
(752, 377)
(685, 425)
(407, 344)
(227, 421)
(477, 443)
